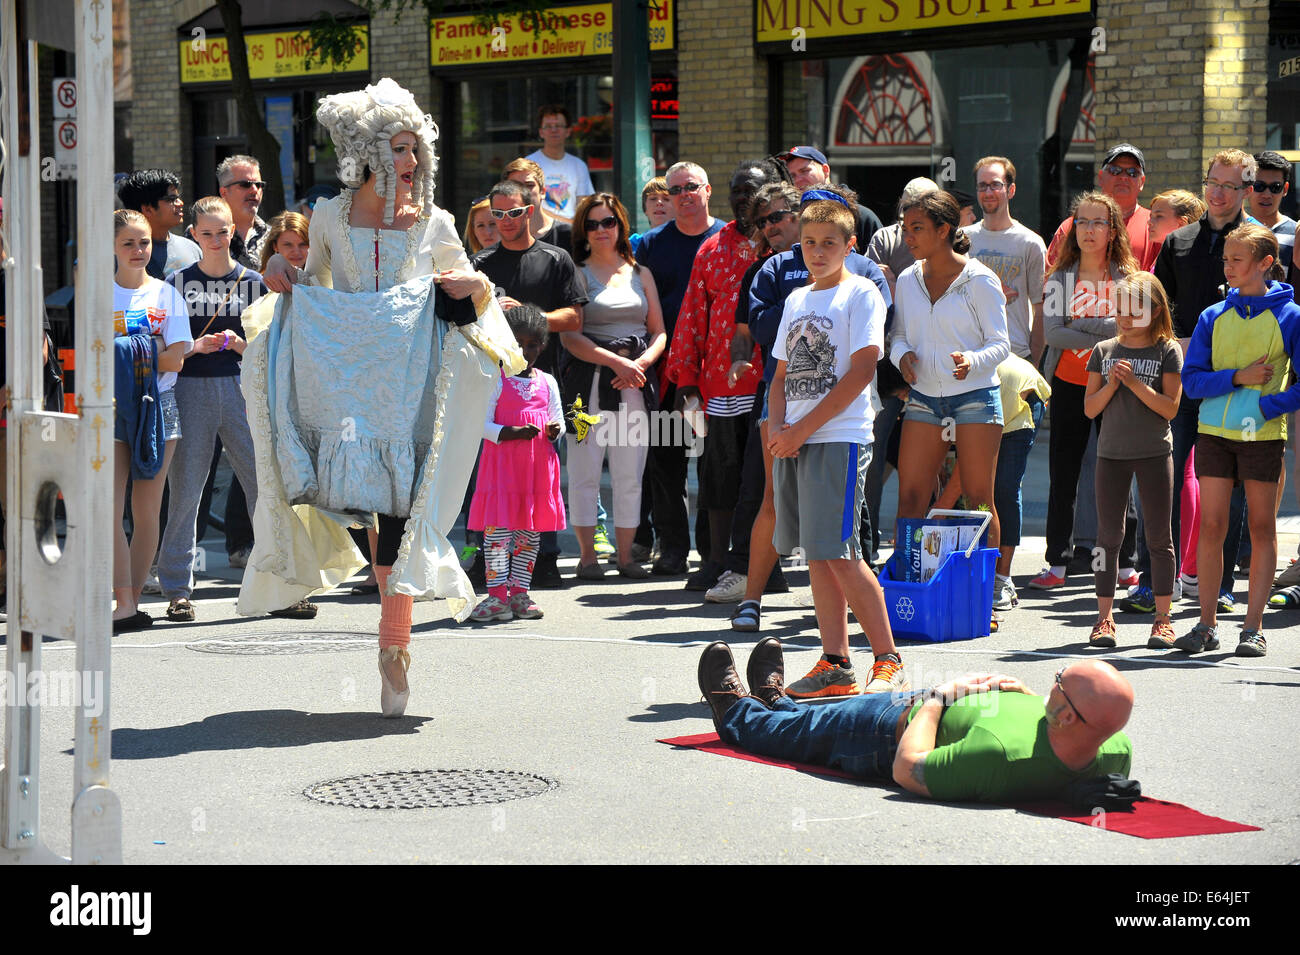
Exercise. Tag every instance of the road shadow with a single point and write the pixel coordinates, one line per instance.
(257, 729)
(4, 638)
(669, 712)
(1156, 658)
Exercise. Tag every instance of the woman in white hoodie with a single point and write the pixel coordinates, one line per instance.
(950, 334)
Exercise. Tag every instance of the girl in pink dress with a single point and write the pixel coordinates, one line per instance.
(517, 495)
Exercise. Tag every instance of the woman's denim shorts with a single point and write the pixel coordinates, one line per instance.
(982, 406)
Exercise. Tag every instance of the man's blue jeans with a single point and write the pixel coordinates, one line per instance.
(856, 735)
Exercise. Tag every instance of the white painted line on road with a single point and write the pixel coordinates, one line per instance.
(843, 818)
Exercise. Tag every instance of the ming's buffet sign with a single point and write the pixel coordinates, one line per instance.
(786, 21)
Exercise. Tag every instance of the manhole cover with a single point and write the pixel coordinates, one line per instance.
(430, 789)
(288, 641)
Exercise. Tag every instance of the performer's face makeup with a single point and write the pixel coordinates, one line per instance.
(531, 346)
(404, 160)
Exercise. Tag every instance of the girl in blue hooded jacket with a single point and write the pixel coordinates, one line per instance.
(1238, 363)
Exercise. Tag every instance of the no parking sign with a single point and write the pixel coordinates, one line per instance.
(65, 126)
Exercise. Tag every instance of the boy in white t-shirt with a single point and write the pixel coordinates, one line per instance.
(567, 176)
(820, 424)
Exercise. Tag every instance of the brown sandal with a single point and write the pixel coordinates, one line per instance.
(180, 610)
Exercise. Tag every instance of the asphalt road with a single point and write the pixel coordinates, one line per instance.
(212, 750)
(214, 745)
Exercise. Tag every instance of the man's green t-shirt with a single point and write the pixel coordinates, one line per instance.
(992, 747)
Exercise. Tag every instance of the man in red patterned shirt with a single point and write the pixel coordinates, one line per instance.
(700, 357)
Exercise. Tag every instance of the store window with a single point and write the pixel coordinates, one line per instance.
(885, 119)
(1283, 96)
(308, 157)
(495, 123)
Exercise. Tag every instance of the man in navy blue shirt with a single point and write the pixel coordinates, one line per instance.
(669, 252)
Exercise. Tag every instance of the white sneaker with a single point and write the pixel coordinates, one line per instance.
(1178, 589)
(1187, 585)
(151, 586)
(1005, 596)
(729, 588)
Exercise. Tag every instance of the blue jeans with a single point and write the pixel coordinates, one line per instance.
(1013, 458)
(856, 735)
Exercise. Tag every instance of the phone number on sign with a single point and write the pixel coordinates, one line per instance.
(605, 41)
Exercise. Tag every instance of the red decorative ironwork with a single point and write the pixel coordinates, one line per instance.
(1085, 127)
(887, 104)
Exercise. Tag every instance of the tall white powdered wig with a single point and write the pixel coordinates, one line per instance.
(362, 125)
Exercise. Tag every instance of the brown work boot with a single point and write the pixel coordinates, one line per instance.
(766, 671)
(719, 681)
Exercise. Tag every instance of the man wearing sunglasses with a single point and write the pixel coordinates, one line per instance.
(1122, 175)
(669, 252)
(1272, 184)
(699, 358)
(810, 170)
(241, 185)
(982, 737)
(526, 271)
(156, 195)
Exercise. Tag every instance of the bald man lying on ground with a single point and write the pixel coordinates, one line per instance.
(982, 737)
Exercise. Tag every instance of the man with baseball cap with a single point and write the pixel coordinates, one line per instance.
(1122, 175)
(809, 169)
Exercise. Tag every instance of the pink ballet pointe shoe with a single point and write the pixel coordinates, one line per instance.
(394, 691)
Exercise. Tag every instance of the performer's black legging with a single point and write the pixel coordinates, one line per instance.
(391, 530)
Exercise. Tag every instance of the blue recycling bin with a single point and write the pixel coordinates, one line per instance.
(955, 604)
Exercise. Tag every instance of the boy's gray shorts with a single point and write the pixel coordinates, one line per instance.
(818, 497)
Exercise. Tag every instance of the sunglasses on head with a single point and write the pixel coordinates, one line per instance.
(247, 184)
(509, 213)
(1273, 187)
(685, 187)
(1132, 172)
(773, 218)
(609, 222)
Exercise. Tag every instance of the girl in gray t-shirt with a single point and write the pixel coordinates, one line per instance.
(1136, 379)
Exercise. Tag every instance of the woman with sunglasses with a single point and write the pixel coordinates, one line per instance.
(622, 337)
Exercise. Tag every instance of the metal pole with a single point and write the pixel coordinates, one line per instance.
(64, 592)
(20, 829)
(96, 812)
(634, 163)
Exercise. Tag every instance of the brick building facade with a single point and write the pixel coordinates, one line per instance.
(1181, 78)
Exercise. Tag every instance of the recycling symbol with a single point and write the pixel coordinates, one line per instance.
(905, 609)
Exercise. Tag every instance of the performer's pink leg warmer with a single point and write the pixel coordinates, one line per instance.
(394, 613)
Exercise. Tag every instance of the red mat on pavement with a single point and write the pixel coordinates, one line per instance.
(1150, 818)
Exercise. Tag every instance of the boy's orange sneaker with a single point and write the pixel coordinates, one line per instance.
(887, 676)
(824, 679)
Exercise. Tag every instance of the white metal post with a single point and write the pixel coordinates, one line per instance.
(96, 812)
(66, 594)
(21, 791)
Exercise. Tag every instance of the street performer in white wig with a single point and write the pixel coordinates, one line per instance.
(371, 404)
